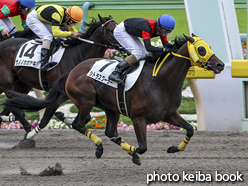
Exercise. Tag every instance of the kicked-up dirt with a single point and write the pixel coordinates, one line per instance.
(211, 158)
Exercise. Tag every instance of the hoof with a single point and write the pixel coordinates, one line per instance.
(136, 159)
(172, 149)
(25, 144)
(99, 151)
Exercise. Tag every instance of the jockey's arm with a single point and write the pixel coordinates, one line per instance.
(23, 19)
(151, 48)
(24, 24)
(58, 33)
(56, 22)
(4, 11)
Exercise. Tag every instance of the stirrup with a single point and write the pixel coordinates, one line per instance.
(119, 81)
(48, 65)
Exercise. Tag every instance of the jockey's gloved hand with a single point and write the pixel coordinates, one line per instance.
(169, 50)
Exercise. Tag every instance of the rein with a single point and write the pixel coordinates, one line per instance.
(112, 46)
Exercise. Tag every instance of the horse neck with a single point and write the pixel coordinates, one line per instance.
(93, 50)
(175, 69)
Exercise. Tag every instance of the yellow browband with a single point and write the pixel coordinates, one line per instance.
(195, 58)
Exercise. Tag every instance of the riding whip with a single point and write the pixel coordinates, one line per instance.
(117, 47)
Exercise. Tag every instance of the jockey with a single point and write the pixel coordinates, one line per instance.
(11, 8)
(129, 32)
(45, 22)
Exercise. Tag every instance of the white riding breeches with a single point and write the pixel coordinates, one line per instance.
(133, 44)
(7, 24)
(42, 29)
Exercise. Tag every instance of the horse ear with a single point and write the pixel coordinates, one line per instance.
(110, 17)
(193, 35)
(101, 19)
(190, 39)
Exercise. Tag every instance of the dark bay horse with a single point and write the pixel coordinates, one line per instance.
(27, 33)
(147, 101)
(23, 79)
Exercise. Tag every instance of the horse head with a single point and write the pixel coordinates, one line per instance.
(108, 26)
(201, 55)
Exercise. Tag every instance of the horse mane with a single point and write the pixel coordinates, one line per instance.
(176, 44)
(91, 28)
(23, 33)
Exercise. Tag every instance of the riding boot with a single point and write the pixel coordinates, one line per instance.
(116, 74)
(44, 58)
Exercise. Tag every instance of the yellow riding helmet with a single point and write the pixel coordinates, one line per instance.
(75, 13)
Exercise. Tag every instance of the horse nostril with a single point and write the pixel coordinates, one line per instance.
(220, 65)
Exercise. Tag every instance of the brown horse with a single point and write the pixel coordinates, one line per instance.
(27, 33)
(150, 100)
(23, 79)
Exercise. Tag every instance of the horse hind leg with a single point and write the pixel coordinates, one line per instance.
(177, 120)
(79, 125)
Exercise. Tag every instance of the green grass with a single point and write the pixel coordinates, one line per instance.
(178, 14)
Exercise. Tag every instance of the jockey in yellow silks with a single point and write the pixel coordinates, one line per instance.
(45, 22)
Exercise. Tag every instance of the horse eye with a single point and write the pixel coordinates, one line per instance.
(202, 51)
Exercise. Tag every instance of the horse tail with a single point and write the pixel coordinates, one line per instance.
(31, 104)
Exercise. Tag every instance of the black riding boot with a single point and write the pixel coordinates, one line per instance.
(44, 58)
(116, 74)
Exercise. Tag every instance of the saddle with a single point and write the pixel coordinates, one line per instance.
(130, 69)
(54, 47)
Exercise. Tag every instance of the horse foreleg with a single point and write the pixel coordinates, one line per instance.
(131, 150)
(68, 121)
(177, 120)
(112, 133)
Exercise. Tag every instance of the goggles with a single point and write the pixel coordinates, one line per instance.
(165, 32)
(26, 9)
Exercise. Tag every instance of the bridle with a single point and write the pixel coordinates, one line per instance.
(195, 58)
(114, 46)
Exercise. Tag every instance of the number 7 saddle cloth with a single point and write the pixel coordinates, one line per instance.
(101, 70)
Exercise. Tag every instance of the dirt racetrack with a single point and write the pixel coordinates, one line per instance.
(210, 156)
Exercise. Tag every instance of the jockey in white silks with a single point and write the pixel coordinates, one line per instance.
(128, 34)
(45, 22)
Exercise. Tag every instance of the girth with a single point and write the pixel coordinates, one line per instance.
(120, 92)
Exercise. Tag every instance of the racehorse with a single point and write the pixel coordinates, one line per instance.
(151, 99)
(23, 79)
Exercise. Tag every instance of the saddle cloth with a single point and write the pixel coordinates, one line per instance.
(101, 70)
(29, 55)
